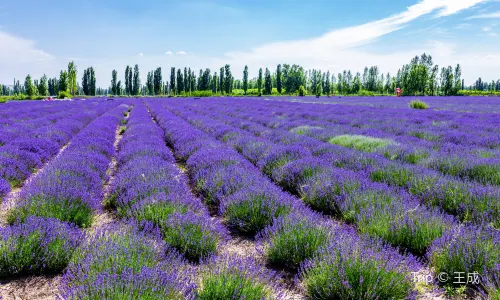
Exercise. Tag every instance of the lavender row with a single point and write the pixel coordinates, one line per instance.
(70, 187)
(377, 210)
(25, 148)
(466, 148)
(466, 200)
(148, 187)
(39, 240)
(152, 192)
(394, 216)
(288, 233)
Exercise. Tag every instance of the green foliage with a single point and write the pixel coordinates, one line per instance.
(158, 212)
(2, 100)
(478, 93)
(295, 242)
(231, 280)
(302, 91)
(190, 239)
(252, 214)
(354, 277)
(64, 95)
(67, 210)
(207, 93)
(34, 253)
(122, 130)
(417, 104)
(360, 142)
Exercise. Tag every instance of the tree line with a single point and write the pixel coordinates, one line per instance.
(419, 77)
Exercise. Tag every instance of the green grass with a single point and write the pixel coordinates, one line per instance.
(231, 285)
(252, 214)
(69, 210)
(424, 136)
(303, 129)
(122, 130)
(158, 212)
(190, 239)
(417, 104)
(295, 242)
(360, 142)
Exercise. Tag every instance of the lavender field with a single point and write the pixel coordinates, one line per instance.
(250, 198)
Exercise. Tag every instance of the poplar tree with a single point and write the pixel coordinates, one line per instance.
(137, 81)
(114, 79)
(157, 81)
(43, 89)
(180, 82)
(268, 88)
(63, 82)
(259, 82)
(72, 84)
(228, 79)
(245, 80)
(186, 86)
(85, 83)
(221, 80)
(172, 81)
(279, 75)
(128, 91)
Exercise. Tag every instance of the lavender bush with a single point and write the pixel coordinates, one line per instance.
(37, 246)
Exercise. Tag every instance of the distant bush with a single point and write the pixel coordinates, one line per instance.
(63, 95)
(478, 93)
(360, 142)
(3, 100)
(202, 94)
(417, 104)
(302, 91)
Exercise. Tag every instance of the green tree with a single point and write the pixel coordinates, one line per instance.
(268, 88)
(186, 86)
(215, 83)
(157, 81)
(221, 80)
(228, 79)
(180, 82)
(259, 82)
(128, 90)
(119, 89)
(114, 82)
(43, 88)
(85, 82)
(137, 81)
(63, 82)
(327, 88)
(172, 81)
(72, 84)
(29, 87)
(245, 80)
(279, 75)
(92, 81)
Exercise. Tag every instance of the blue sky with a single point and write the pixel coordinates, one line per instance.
(40, 37)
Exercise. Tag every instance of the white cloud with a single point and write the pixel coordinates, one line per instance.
(493, 15)
(168, 53)
(181, 53)
(486, 29)
(141, 54)
(20, 50)
(346, 38)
